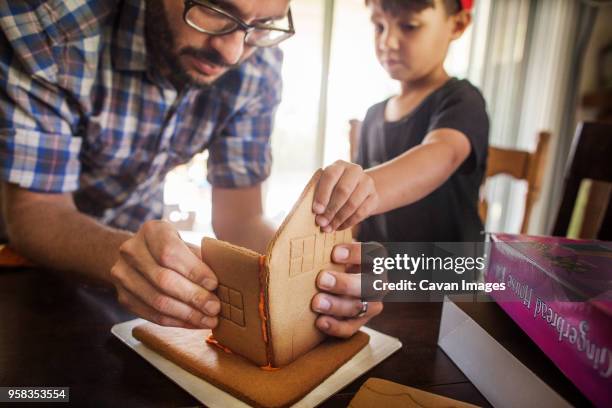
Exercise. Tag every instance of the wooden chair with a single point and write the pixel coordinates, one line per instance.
(521, 165)
(589, 160)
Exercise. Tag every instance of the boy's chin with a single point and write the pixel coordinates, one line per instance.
(406, 76)
(396, 76)
(400, 75)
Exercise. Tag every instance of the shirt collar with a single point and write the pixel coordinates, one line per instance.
(129, 40)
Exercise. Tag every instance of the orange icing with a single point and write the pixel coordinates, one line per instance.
(263, 316)
(262, 302)
(269, 368)
(8, 257)
(211, 340)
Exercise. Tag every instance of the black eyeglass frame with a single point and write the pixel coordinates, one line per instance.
(240, 24)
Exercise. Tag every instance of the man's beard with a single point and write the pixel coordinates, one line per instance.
(163, 53)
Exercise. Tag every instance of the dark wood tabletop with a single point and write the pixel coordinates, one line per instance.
(57, 333)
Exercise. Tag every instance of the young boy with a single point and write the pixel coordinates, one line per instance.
(425, 149)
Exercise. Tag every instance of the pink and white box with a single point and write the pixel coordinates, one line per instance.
(559, 291)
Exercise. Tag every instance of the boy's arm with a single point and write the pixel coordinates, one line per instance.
(419, 171)
(346, 194)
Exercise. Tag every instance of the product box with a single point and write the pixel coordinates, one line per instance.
(499, 358)
(559, 291)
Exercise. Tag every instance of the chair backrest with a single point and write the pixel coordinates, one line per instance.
(590, 158)
(521, 165)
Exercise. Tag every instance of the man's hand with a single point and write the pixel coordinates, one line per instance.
(345, 195)
(160, 278)
(340, 302)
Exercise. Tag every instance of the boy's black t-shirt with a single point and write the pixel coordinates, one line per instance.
(450, 213)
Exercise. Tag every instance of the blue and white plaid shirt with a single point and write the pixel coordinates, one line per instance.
(81, 112)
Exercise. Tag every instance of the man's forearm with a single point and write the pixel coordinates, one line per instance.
(237, 217)
(254, 233)
(63, 239)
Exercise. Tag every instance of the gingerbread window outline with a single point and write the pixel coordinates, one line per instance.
(232, 305)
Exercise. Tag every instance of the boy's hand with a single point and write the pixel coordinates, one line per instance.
(345, 195)
(340, 305)
(162, 279)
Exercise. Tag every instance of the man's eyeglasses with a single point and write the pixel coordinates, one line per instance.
(206, 17)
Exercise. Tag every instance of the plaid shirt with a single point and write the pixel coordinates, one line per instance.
(80, 111)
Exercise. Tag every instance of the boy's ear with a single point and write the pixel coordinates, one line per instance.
(461, 21)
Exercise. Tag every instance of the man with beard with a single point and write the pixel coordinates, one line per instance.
(100, 99)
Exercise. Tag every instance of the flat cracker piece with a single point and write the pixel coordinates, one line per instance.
(376, 392)
(239, 376)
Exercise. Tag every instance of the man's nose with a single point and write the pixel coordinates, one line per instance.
(230, 46)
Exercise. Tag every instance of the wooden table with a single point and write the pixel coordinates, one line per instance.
(56, 333)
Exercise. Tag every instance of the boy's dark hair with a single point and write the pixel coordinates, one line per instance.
(452, 7)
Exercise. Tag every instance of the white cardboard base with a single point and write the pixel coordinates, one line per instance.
(380, 347)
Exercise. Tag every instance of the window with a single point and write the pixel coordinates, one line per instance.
(357, 81)
(294, 141)
(330, 62)
(187, 194)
